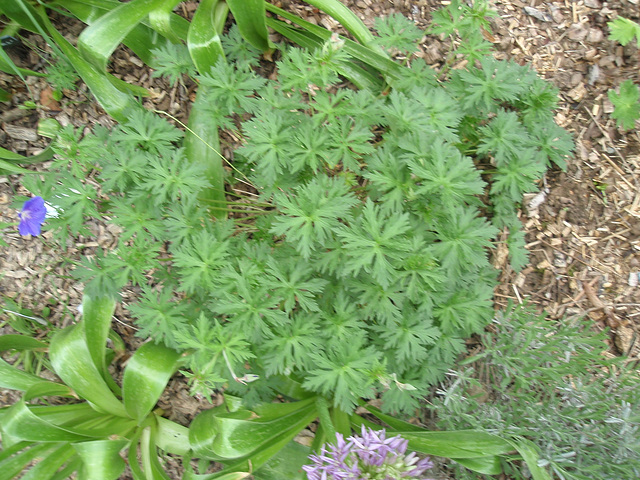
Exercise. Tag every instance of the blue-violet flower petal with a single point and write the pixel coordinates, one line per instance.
(32, 216)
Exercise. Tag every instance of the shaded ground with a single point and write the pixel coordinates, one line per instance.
(582, 230)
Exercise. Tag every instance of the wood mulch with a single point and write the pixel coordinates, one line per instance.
(583, 229)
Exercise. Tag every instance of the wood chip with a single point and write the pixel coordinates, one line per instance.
(20, 133)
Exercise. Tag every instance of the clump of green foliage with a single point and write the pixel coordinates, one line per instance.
(61, 76)
(551, 382)
(362, 262)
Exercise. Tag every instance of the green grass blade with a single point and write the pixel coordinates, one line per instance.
(115, 102)
(285, 464)
(20, 423)
(98, 42)
(10, 156)
(8, 66)
(149, 453)
(203, 39)
(50, 464)
(82, 419)
(237, 435)
(160, 20)
(48, 390)
(172, 437)
(21, 12)
(345, 16)
(359, 76)
(141, 39)
(97, 8)
(529, 452)
(487, 465)
(96, 320)
(369, 56)
(132, 457)
(393, 422)
(67, 472)
(9, 161)
(9, 451)
(12, 466)
(218, 476)
(72, 361)
(14, 379)
(7, 168)
(146, 377)
(202, 146)
(250, 16)
(101, 458)
(457, 444)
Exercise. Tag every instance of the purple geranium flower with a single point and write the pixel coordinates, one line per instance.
(32, 216)
(370, 456)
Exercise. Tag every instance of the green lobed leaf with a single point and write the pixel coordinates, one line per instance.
(626, 104)
(145, 378)
(624, 30)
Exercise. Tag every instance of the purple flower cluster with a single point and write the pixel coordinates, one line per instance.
(371, 456)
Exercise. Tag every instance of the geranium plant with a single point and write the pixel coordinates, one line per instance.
(344, 253)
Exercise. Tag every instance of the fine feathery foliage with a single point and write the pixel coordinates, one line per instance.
(362, 262)
(551, 382)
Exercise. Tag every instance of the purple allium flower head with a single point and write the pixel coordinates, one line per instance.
(370, 456)
(32, 216)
